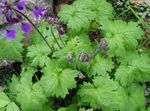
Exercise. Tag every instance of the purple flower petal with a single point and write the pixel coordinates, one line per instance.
(39, 12)
(85, 58)
(26, 28)
(21, 5)
(11, 34)
(4, 5)
(10, 19)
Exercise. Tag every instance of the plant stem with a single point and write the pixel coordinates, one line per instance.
(123, 13)
(61, 39)
(78, 61)
(139, 18)
(55, 38)
(96, 51)
(34, 27)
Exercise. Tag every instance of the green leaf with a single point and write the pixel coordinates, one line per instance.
(135, 98)
(103, 9)
(12, 107)
(30, 96)
(3, 109)
(12, 87)
(122, 37)
(76, 17)
(4, 100)
(137, 68)
(10, 50)
(83, 109)
(104, 93)
(39, 54)
(56, 81)
(100, 66)
(79, 15)
(71, 107)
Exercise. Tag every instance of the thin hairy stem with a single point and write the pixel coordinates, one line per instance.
(34, 27)
(55, 38)
(61, 39)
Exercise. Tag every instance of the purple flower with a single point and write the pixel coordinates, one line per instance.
(21, 5)
(39, 12)
(26, 28)
(85, 58)
(61, 31)
(10, 17)
(4, 5)
(56, 20)
(11, 34)
(70, 58)
(6, 64)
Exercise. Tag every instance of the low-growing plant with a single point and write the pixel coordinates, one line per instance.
(87, 61)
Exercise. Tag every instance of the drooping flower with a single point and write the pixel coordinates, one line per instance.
(85, 58)
(6, 64)
(21, 5)
(4, 5)
(61, 31)
(56, 20)
(11, 35)
(70, 58)
(12, 18)
(39, 12)
(26, 28)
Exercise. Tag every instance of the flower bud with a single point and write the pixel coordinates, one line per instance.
(6, 64)
(104, 44)
(70, 58)
(85, 58)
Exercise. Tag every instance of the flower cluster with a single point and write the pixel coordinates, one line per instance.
(11, 11)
